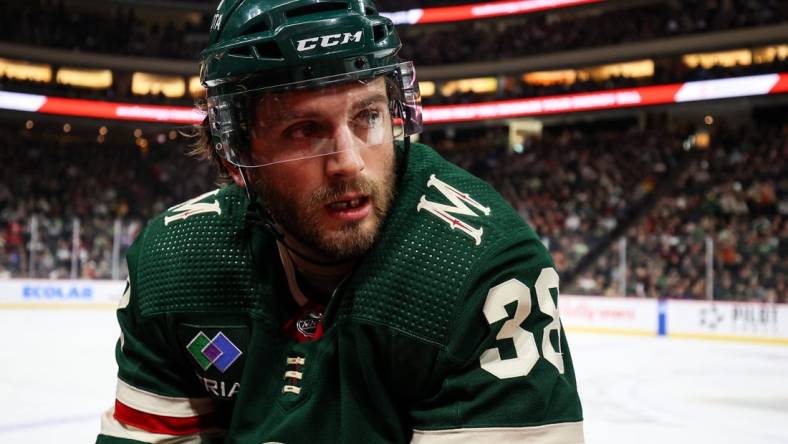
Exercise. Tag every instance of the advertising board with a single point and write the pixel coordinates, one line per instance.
(22, 293)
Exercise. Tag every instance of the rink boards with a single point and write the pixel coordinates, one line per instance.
(53, 294)
(735, 321)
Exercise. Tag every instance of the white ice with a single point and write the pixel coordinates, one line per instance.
(57, 375)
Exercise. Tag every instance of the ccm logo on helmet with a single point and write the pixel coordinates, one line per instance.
(327, 41)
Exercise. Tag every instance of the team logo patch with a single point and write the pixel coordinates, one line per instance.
(308, 324)
(219, 352)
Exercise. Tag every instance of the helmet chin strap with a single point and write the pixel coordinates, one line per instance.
(257, 214)
(403, 164)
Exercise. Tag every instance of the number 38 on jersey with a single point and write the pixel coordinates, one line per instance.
(525, 346)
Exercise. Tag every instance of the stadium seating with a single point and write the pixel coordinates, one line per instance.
(573, 187)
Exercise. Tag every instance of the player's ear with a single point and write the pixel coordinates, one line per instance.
(234, 172)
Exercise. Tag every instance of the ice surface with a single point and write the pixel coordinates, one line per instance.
(58, 375)
(660, 390)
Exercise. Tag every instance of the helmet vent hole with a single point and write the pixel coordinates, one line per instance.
(241, 51)
(317, 8)
(255, 28)
(379, 32)
(269, 50)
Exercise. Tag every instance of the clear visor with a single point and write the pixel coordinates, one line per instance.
(364, 110)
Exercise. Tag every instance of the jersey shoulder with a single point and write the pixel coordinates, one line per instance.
(440, 239)
(194, 254)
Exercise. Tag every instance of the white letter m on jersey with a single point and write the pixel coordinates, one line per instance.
(447, 213)
(192, 207)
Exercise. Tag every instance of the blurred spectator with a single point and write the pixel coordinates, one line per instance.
(731, 195)
(57, 181)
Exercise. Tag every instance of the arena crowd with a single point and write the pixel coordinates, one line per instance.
(574, 187)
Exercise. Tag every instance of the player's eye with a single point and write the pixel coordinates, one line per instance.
(301, 130)
(368, 118)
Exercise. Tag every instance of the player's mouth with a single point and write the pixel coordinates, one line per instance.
(350, 207)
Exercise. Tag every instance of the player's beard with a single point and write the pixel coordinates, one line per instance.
(300, 217)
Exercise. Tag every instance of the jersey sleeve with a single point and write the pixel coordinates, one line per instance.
(508, 374)
(155, 400)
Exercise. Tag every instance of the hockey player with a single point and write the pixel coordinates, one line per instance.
(347, 286)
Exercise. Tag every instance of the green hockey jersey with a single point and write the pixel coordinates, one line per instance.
(447, 331)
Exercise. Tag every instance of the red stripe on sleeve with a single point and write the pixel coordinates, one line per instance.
(165, 425)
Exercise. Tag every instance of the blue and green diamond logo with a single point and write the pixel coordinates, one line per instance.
(219, 352)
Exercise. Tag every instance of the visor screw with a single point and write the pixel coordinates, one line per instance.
(360, 62)
(219, 146)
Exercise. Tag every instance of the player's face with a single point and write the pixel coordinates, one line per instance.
(333, 203)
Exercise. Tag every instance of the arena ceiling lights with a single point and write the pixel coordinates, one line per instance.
(478, 11)
(26, 71)
(759, 85)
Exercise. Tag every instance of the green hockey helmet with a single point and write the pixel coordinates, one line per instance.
(260, 49)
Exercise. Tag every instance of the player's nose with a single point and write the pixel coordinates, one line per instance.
(347, 160)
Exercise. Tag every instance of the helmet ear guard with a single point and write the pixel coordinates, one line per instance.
(411, 100)
(228, 130)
